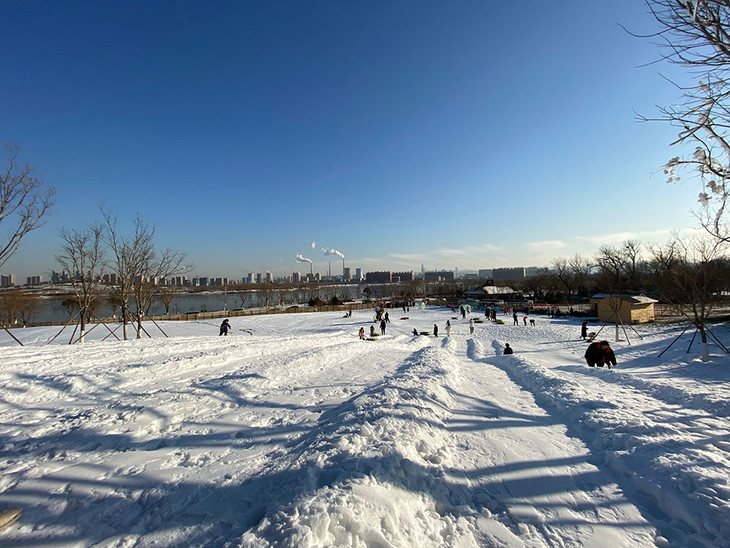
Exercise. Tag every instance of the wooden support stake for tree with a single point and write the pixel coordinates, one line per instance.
(13, 336)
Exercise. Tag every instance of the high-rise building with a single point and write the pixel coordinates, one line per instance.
(34, 280)
(403, 276)
(7, 281)
(439, 276)
(517, 273)
(378, 277)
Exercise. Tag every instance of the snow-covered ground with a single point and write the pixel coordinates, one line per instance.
(303, 435)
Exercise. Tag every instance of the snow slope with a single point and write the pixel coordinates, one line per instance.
(303, 435)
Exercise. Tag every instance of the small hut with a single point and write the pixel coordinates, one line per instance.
(631, 309)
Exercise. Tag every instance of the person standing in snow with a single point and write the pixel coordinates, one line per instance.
(514, 317)
(599, 353)
(448, 328)
(435, 330)
(471, 325)
(225, 328)
(387, 317)
(584, 330)
(361, 333)
(382, 326)
(372, 331)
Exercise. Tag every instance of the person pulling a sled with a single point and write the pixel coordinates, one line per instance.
(599, 353)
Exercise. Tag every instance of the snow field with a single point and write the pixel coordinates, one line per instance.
(303, 435)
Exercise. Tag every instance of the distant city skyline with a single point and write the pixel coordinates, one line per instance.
(397, 134)
(56, 277)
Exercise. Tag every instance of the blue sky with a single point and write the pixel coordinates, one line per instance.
(467, 134)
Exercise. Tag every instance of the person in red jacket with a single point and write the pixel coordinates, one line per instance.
(599, 353)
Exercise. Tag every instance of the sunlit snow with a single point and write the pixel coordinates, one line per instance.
(303, 435)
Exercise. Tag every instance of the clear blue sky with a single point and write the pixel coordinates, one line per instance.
(468, 134)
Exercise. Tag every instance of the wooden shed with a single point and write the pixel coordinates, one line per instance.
(629, 308)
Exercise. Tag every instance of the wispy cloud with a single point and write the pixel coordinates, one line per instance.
(642, 236)
(452, 252)
(406, 256)
(546, 244)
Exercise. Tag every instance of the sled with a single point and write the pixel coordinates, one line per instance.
(247, 331)
(404, 318)
(9, 516)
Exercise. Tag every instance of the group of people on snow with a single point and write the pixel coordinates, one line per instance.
(597, 354)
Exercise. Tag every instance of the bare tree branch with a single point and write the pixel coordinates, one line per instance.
(25, 203)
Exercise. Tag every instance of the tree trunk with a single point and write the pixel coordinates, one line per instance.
(124, 322)
(705, 345)
(82, 322)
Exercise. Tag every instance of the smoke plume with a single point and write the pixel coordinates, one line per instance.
(330, 251)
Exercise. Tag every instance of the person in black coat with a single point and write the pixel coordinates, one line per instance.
(507, 349)
(599, 353)
(584, 330)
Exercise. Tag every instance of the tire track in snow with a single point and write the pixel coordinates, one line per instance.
(639, 437)
(522, 457)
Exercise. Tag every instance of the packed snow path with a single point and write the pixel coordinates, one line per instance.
(303, 435)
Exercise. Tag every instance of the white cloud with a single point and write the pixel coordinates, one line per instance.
(646, 236)
(406, 256)
(547, 244)
(452, 252)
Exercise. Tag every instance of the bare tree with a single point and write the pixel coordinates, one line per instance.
(30, 300)
(82, 254)
(151, 265)
(621, 268)
(10, 305)
(166, 295)
(696, 35)
(582, 269)
(691, 274)
(266, 294)
(565, 274)
(25, 203)
(124, 262)
(137, 263)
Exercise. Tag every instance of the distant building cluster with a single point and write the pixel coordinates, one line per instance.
(253, 278)
(7, 281)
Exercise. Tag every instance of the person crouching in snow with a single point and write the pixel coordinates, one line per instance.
(507, 349)
(225, 328)
(599, 353)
